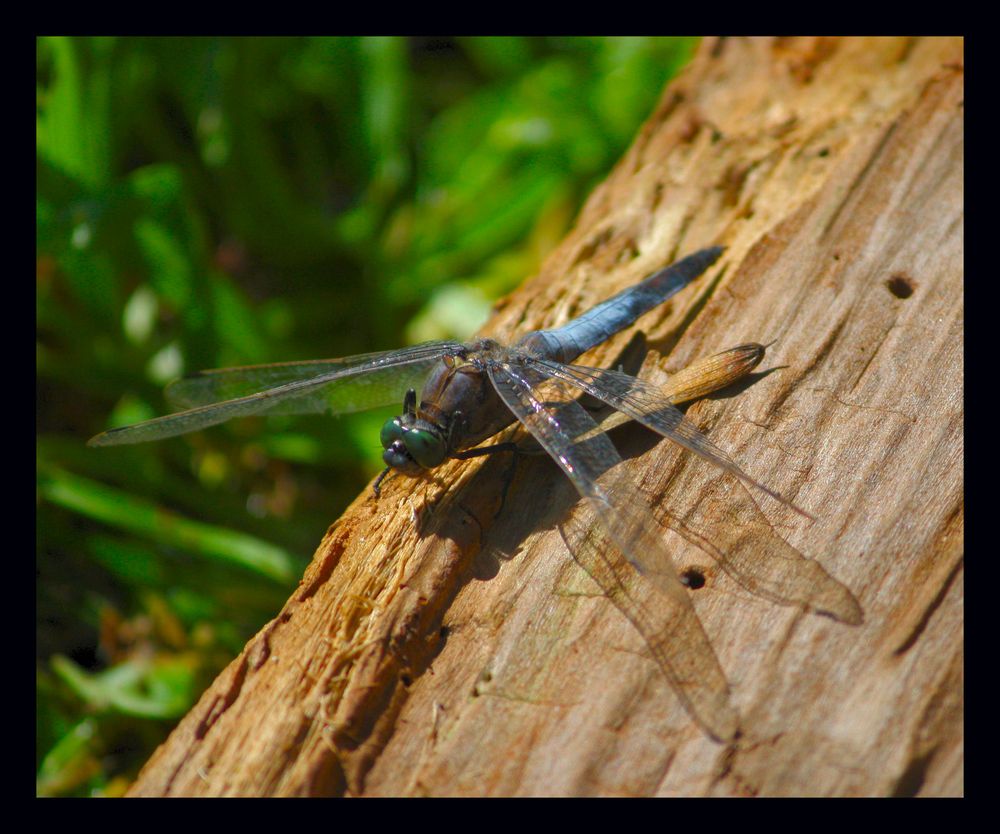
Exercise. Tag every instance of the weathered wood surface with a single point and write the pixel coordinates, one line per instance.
(442, 644)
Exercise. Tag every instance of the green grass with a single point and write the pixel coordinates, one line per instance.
(204, 202)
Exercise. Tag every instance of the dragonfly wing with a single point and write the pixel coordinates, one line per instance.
(672, 633)
(647, 404)
(354, 390)
(615, 529)
(341, 386)
(723, 518)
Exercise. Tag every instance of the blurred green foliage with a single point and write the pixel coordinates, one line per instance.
(204, 202)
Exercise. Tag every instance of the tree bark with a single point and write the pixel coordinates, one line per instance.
(443, 642)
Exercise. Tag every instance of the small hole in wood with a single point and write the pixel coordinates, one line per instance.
(900, 286)
(693, 578)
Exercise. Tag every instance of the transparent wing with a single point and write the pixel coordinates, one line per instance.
(673, 634)
(647, 404)
(368, 380)
(616, 525)
(336, 386)
(720, 515)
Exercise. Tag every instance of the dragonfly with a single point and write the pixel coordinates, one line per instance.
(473, 391)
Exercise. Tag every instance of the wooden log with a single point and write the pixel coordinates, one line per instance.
(443, 642)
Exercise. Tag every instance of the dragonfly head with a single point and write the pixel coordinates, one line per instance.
(411, 444)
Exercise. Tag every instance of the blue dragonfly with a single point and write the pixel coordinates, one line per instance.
(472, 391)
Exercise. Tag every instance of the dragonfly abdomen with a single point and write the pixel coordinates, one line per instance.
(566, 343)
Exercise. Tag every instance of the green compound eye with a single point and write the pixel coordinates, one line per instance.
(425, 448)
(391, 432)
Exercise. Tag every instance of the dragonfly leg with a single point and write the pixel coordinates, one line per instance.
(381, 477)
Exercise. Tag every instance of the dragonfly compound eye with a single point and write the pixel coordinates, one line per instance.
(391, 432)
(425, 447)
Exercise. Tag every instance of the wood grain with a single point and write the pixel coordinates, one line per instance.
(443, 642)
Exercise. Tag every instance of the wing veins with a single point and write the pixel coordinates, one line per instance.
(214, 413)
(646, 404)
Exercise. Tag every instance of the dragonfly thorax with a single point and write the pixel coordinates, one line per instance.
(459, 409)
